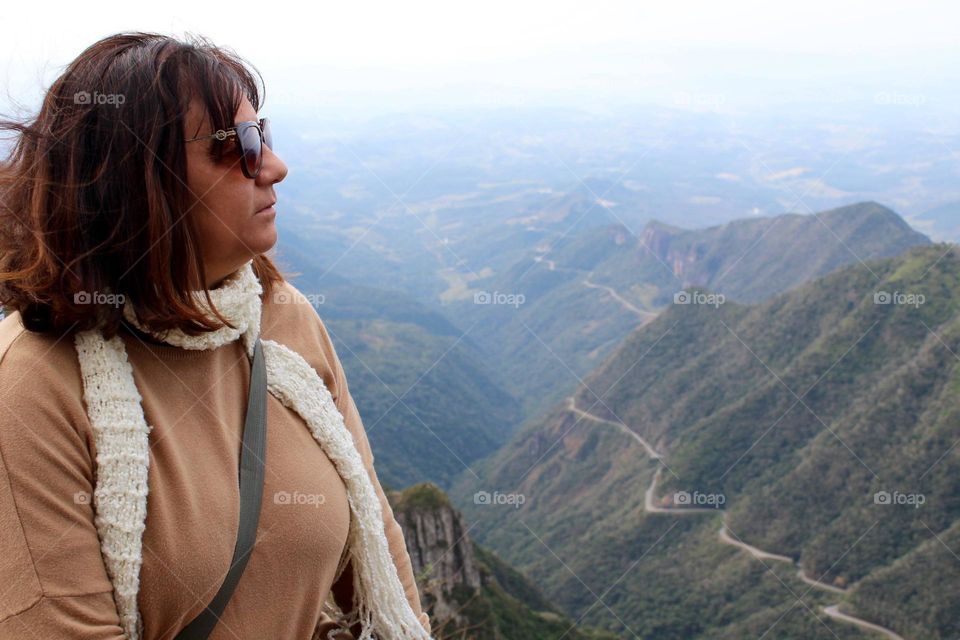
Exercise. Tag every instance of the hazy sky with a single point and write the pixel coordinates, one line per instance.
(395, 55)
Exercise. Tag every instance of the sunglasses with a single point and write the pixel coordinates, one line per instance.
(251, 137)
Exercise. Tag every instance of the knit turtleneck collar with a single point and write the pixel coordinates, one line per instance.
(238, 299)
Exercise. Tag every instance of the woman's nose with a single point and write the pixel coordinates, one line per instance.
(274, 169)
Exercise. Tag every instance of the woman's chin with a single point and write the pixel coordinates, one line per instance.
(263, 239)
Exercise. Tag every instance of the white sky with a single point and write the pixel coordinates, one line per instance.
(388, 53)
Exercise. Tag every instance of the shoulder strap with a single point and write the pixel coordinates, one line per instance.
(252, 455)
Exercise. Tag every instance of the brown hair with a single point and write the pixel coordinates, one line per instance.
(93, 194)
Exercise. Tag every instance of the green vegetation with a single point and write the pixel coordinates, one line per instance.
(507, 606)
(917, 592)
(416, 379)
(799, 411)
(566, 328)
(425, 496)
(429, 405)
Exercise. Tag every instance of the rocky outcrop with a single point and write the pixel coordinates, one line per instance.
(440, 550)
(468, 592)
(669, 245)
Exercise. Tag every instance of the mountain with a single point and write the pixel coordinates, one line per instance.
(430, 403)
(817, 430)
(466, 589)
(752, 259)
(565, 307)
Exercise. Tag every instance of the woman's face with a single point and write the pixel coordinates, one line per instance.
(226, 204)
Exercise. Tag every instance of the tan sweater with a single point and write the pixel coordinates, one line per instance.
(53, 583)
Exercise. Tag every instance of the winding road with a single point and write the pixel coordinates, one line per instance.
(626, 304)
(834, 612)
(650, 505)
(651, 452)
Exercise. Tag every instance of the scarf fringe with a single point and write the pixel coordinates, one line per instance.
(381, 603)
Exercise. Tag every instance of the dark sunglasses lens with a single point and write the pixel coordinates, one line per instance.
(251, 149)
(267, 134)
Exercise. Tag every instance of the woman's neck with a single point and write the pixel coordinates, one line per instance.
(238, 300)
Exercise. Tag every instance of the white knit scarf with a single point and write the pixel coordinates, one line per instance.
(123, 458)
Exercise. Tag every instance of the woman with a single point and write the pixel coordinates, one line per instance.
(135, 213)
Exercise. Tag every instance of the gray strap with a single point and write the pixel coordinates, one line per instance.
(252, 456)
